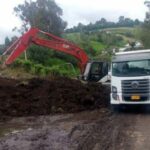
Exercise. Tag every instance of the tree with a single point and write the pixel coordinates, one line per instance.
(147, 3)
(80, 27)
(103, 20)
(39, 54)
(103, 23)
(145, 34)
(137, 22)
(43, 14)
(121, 20)
(145, 29)
(7, 41)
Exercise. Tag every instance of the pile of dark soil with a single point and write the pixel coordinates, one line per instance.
(42, 97)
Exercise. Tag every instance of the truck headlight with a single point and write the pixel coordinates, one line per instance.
(114, 93)
(114, 89)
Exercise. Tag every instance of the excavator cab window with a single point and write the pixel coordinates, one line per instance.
(97, 71)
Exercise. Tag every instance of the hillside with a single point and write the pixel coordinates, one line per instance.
(97, 42)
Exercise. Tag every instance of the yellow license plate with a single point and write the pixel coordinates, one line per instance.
(135, 97)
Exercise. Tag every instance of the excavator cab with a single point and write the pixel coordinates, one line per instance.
(96, 71)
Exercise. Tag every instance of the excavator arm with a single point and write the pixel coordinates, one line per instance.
(54, 42)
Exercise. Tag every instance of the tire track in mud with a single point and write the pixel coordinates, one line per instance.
(107, 134)
(141, 132)
(89, 130)
(98, 130)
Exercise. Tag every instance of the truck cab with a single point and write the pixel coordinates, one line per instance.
(130, 78)
(97, 71)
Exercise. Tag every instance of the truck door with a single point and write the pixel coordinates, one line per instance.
(97, 71)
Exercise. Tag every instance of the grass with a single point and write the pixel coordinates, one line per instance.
(16, 73)
(74, 37)
(97, 46)
(120, 29)
(128, 33)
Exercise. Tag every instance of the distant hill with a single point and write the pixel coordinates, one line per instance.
(104, 24)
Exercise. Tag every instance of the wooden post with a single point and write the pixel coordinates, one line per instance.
(25, 55)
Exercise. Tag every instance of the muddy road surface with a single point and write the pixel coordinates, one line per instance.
(64, 114)
(89, 130)
(86, 130)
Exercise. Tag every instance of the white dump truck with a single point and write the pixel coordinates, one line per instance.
(130, 78)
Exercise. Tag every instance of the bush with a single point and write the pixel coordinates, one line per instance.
(55, 71)
(54, 61)
(129, 34)
(27, 65)
(17, 63)
(46, 70)
(38, 68)
(43, 72)
(39, 54)
(66, 73)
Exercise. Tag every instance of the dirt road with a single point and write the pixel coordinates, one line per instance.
(141, 132)
(64, 114)
(90, 130)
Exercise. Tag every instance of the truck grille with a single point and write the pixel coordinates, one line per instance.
(135, 87)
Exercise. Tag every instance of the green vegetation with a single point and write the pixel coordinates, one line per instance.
(38, 69)
(97, 45)
(101, 42)
(144, 34)
(144, 31)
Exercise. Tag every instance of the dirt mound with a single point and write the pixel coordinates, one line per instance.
(42, 97)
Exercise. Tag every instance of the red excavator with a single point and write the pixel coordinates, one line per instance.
(96, 71)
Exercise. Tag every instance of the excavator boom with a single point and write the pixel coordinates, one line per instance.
(54, 42)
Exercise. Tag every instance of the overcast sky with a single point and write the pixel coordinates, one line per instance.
(75, 11)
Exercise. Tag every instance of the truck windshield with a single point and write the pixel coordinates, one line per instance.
(131, 68)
